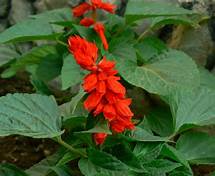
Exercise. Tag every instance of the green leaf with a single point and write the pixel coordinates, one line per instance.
(150, 47)
(160, 166)
(124, 154)
(10, 170)
(138, 9)
(160, 121)
(43, 168)
(100, 127)
(181, 171)
(147, 152)
(170, 152)
(67, 157)
(31, 115)
(207, 79)
(49, 68)
(106, 161)
(141, 135)
(38, 28)
(192, 108)
(32, 57)
(197, 147)
(75, 107)
(71, 73)
(7, 54)
(166, 73)
(89, 169)
(180, 19)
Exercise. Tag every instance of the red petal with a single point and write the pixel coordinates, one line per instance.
(109, 112)
(104, 64)
(123, 108)
(115, 86)
(90, 82)
(85, 53)
(108, 7)
(81, 9)
(100, 107)
(99, 138)
(100, 30)
(111, 97)
(87, 22)
(101, 87)
(117, 126)
(92, 101)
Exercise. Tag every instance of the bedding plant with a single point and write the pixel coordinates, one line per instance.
(133, 106)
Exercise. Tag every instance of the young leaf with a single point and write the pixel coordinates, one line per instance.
(71, 73)
(197, 147)
(138, 9)
(31, 115)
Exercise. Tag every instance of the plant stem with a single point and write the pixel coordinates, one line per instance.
(143, 34)
(62, 43)
(72, 149)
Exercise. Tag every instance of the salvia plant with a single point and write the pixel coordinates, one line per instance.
(129, 104)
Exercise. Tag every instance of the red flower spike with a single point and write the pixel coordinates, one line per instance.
(90, 82)
(87, 22)
(98, 4)
(92, 100)
(100, 30)
(109, 112)
(81, 9)
(99, 138)
(84, 52)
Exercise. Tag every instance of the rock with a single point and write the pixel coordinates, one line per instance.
(43, 5)
(197, 43)
(20, 10)
(4, 6)
(3, 25)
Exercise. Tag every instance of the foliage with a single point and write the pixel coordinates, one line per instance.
(165, 140)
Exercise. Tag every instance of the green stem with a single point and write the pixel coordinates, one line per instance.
(62, 43)
(143, 34)
(72, 149)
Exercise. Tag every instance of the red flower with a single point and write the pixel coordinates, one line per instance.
(98, 4)
(87, 22)
(84, 52)
(106, 93)
(100, 30)
(99, 138)
(81, 9)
